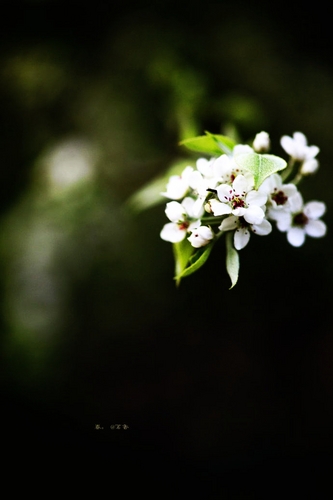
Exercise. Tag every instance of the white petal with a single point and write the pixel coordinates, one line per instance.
(241, 149)
(262, 229)
(250, 179)
(198, 207)
(205, 232)
(222, 165)
(254, 215)
(314, 209)
(283, 220)
(239, 211)
(172, 233)
(310, 166)
(297, 146)
(175, 211)
(300, 138)
(188, 204)
(270, 183)
(241, 184)
(288, 144)
(205, 166)
(194, 225)
(176, 188)
(229, 223)
(315, 228)
(186, 174)
(224, 192)
(201, 236)
(256, 198)
(219, 208)
(296, 202)
(195, 179)
(276, 180)
(261, 142)
(289, 189)
(311, 152)
(241, 238)
(296, 236)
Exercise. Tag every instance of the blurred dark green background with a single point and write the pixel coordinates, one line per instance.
(213, 384)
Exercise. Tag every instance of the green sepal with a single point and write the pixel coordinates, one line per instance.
(261, 166)
(232, 259)
(196, 261)
(211, 144)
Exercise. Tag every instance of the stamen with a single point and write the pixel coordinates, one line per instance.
(300, 219)
(183, 225)
(280, 198)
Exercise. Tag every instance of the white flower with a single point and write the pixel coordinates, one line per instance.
(261, 142)
(240, 200)
(243, 229)
(208, 175)
(181, 217)
(227, 169)
(297, 147)
(201, 236)
(178, 185)
(207, 168)
(277, 192)
(240, 149)
(200, 185)
(302, 220)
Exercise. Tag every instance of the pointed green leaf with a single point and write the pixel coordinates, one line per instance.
(182, 252)
(261, 166)
(211, 144)
(232, 259)
(225, 144)
(196, 261)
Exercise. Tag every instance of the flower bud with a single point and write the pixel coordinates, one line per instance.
(310, 166)
(261, 142)
(201, 236)
(208, 208)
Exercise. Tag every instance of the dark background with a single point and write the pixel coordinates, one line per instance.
(218, 388)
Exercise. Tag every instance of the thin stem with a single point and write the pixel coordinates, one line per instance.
(298, 177)
(219, 234)
(212, 220)
(287, 171)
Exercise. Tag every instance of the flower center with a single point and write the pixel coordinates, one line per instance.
(300, 219)
(280, 198)
(237, 202)
(183, 225)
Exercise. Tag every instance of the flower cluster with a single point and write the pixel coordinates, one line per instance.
(242, 191)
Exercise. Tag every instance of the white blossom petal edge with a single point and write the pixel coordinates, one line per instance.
(201, 236)
(302, 220)
(297, 147)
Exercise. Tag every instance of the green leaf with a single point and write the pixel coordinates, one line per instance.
(196, 261)
(209, 144)
(182, 252)
(232, 259)
(225, 144)
(261, 166)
